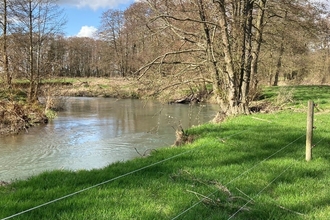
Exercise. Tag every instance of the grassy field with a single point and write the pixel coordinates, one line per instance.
(248, 167)
(87, 87)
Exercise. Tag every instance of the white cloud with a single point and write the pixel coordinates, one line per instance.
(94, 4)
(87, 31)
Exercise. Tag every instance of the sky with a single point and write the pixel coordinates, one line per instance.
(84, 16)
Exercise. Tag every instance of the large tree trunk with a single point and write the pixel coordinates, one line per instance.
(229, 102)
(234, 100)
(237, 82)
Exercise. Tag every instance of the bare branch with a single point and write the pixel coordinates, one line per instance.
(162, 57)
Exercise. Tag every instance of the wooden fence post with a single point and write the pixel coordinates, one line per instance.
(309, 131)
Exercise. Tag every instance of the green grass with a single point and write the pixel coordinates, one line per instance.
(256, 162)
(297, 96)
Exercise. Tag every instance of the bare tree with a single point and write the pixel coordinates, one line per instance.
(291, 27)
(217, 37)
(36, 21)
(111, 31)
(181, 36)
(82, 57)
(4, 27)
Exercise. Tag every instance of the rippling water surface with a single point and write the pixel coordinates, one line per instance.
(94, 132)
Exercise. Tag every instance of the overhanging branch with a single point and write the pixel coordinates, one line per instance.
(146, 67)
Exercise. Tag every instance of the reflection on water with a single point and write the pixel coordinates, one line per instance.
(94, 132)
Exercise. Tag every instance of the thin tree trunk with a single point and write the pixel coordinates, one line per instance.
(245, 78)
(210, 57)
(5, 51)
(280, 56)
(257, 44)
(32, 97)
(279, 64)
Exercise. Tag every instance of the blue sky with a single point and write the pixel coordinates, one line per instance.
(84, 16)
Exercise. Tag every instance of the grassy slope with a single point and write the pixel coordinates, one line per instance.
(259, 157)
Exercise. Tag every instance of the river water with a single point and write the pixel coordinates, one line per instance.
(94, 132)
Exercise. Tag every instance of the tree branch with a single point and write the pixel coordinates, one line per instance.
(162, 57)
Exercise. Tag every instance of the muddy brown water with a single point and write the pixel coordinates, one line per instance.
(95, 132)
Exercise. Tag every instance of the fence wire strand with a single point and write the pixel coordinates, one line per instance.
(151, 165)
(94, 186)
(263, 189)
(231, 181)
(108, 181)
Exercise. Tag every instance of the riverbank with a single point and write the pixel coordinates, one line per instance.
(16, 115)
(98, 87)
(93, 132)
(254, 164)
(247, 167)
(129, 88)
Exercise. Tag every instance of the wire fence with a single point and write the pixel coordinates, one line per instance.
(263, 189)
(240, 175)
(253, 167)
(108, 181)
(176, 156)
(96, 185)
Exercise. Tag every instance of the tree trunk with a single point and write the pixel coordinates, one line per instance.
(257, 44)
(279, 64)
(229, 103)
(280, 56)
(32, 97)
(5, 45)
(246, 76)
(232, 102)
(212, 63)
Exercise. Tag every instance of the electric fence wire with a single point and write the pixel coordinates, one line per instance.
(263, 189)
(231, 181)
(298, 213)
(251, 199)
(319, 141)
(94, 186)
(108, 181)
(242, 175)
(132, 172)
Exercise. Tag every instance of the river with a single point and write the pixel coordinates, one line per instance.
(95, 132)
